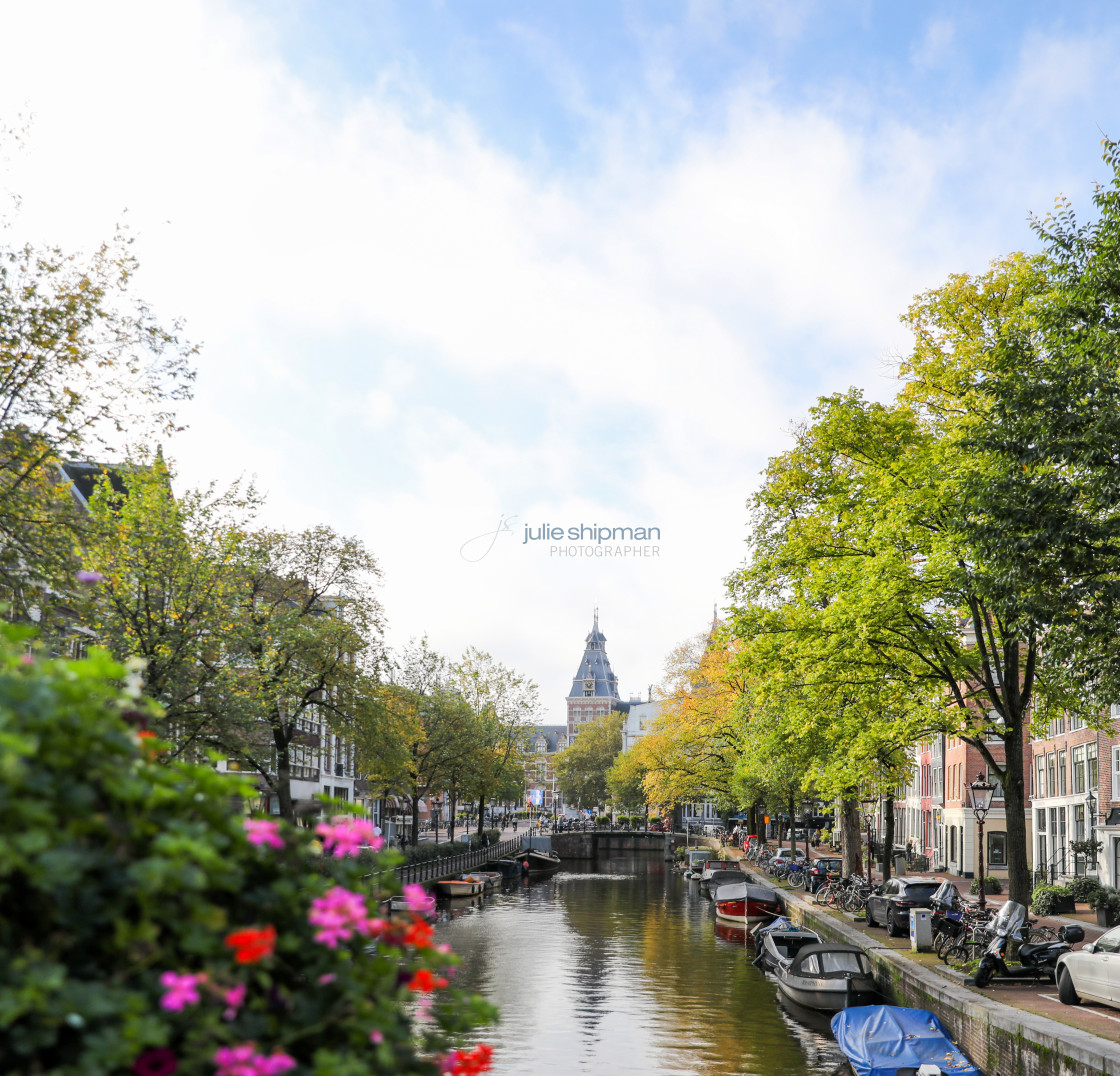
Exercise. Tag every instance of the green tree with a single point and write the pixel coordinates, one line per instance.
(582, 767)
(503, 704)
(81, 364)
(303, 646)
(170, 566)
(626, 782)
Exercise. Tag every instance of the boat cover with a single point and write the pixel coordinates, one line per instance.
(881, 1039)
(744, 891)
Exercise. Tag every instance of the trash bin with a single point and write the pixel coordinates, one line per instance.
(921, 930)
(899, 863)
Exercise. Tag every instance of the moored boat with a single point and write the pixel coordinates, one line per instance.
(459, 887)
(746, 903)
(888, 1040)
(715, 879)
(694, 862)
(711, 866)
(491, 879)
(780, 941)
(828, 977)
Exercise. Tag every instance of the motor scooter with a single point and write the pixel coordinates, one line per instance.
(1036, 961)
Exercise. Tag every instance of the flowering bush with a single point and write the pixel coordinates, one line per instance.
(148, 927)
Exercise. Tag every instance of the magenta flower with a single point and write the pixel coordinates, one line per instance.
(89, 577)
(339, 915)
(243, 1060)
(182, 990)
(376, 1038)
(345, 835)
(234, 998)
(263, 831)
(418, 899)
(161, 1062)
(326, 980)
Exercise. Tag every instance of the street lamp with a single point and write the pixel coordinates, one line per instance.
(980, 794)
(1091, 805)
(869, 804)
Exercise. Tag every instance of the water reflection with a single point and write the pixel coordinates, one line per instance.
(622, 968)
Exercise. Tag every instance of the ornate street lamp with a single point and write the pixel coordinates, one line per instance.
(1091, 806)
(980, 794)
(869, 804)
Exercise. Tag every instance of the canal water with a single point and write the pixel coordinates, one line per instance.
(620, 967)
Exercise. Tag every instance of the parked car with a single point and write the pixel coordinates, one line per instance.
(890, 906)
(1092, 972)
(820, 869)
(784, 855)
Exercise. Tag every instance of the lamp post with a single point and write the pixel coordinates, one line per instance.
(980, 794)
(869, 804)
(1091, 806)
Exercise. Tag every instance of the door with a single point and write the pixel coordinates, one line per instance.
(1099, 971)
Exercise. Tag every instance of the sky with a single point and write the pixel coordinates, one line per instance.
(459, 269)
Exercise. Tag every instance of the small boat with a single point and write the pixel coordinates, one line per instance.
(460, 887)
(507, 868)
(713, 865)
(828, 977)
(491, 879)
(780, 941)
(694, 863)
(715, 879)
(746, 903)
(887, 1040)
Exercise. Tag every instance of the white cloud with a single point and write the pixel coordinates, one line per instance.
(629, 343)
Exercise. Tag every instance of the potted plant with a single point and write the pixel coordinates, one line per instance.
(1106, 901)
(1087, 849)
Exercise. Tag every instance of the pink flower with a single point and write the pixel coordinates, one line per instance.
(263, 831)
(345, 835)
(182, 990)
(89, 577)
(243, 1060)
(339, 915)
(376, 1038)
(234, 998)
(418, 899)
(161, 1062)
(325, 980)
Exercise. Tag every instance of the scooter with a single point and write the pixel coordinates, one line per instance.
(1036, 961)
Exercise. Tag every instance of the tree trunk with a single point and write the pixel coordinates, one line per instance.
(1014, 802)
(888, 838)
(481, 811)
(415, 827)
(283, 774)
(451, 817)
(792, 842)
(851, 837)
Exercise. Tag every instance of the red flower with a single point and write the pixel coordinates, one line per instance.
(161, 1062)
(423, 980)
(252, 945)
(419, 934)
(468, 1063)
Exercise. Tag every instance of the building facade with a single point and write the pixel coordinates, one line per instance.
(594, 691)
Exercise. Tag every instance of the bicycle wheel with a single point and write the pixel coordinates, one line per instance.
(821, 895)
(958, 954)
(1040, 934)
(796, 879)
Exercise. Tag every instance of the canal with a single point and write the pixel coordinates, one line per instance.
(619, 966)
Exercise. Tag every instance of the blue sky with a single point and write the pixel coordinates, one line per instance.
(567, 262)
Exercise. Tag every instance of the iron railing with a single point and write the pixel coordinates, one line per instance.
(431, 869)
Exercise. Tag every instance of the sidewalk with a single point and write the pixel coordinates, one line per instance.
(1028, 996)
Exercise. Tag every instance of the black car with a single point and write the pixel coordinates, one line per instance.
(890, 906)
(821, 869)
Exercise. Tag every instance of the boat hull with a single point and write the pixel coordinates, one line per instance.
(459, 887)
(826, 995)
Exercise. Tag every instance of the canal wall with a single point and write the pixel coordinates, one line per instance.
(1001, 1040)
(594, 843)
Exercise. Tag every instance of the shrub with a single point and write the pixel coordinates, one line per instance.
(1082, 889)
(1047, 899)
(1106, 897)
(149, 927)
(603, 820)
(991, 885)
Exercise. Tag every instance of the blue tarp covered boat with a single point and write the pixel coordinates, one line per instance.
(885, 1040)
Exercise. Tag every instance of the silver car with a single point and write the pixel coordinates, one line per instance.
(1092, 972)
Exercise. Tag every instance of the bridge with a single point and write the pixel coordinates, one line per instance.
(589, 844)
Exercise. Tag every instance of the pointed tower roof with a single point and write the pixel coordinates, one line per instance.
(594, 678)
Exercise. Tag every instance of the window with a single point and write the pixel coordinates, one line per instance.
(1040, 821)
(1051, 775)
(997, 848)
(1091, 765)
(1078, 757)
(1040, 775)
(1115, 771)
(1061, 773)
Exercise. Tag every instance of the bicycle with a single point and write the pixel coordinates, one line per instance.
(796, 876)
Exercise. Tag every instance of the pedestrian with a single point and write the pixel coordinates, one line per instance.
(515, 825)
(909, 851)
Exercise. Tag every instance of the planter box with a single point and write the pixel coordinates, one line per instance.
(1106, 918)
(1063, 905)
